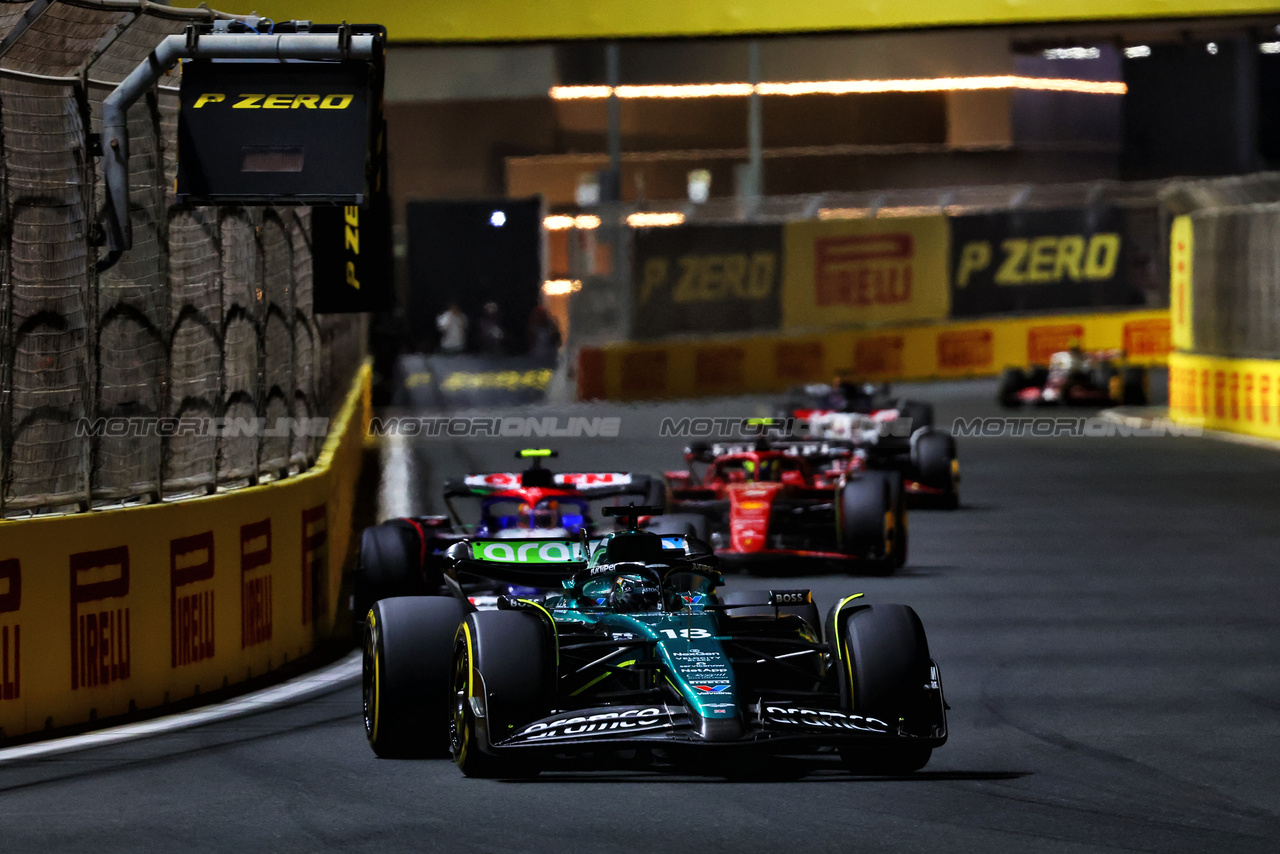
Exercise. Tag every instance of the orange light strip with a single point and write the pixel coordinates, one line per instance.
(842, 87)
(654, 220)
(561, 222)
(561, 287)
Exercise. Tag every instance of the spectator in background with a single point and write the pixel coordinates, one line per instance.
(452, 324)
(492, 338)
(544, 335)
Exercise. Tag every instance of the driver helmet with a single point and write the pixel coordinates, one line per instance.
(634, 593)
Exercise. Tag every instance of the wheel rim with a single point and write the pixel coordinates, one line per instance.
(458, 736)
(369, 682)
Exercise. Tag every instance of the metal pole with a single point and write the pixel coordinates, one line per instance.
(611, 189)
(755, 131)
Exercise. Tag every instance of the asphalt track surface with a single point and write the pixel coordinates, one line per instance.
(1104, 611)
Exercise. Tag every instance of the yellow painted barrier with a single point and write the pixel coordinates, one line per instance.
(501, 20)
(1181, 307)
(107, 612)
(748, 365)
(1240, 395)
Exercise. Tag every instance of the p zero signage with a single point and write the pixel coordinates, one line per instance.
(1037, 260)
(261, 133)
(841, 272)
(706, 278)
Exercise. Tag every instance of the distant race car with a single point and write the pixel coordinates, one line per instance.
(403, 557)
(640, 658)
(1076, 378)
(861, 398)
(887, 433)
(762, 506)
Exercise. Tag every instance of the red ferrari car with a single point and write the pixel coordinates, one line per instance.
(761, 505)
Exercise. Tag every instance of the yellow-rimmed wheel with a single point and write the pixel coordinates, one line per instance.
(504, 676)
(407, 663)
(868, 522)
(883, 665)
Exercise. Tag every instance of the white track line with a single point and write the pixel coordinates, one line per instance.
(294, 691)
(1145, 416)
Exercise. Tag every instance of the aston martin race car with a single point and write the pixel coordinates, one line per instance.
(641, 658)
(1076, 377)
(764, 507)
(403, 557)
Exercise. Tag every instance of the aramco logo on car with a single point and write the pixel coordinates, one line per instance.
(534, 552)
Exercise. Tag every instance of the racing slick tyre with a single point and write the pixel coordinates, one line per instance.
(868, 520)
(1105, 378)
(898, 501)
(390, 564)
(407, 668)
(920, 414)
(1134, 387)
(933, 457)
(504, 663)
(883, 665)
(681, 525)
(1012, 381)
(807, 612)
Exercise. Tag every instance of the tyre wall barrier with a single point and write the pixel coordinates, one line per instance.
(1220, 393)
(105, 613)
(747, 365)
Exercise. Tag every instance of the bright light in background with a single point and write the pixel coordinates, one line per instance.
(562, 222)
(1072, 53)
(844, 213)
(654, 220)
(498, 219)
(1138, 51)
(844, 87)
(561, 287)
(1212, 47)
(1269, 47)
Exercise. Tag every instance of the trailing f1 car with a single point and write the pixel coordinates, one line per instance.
(759, 505)
(1075, 377)
(845, 396)
(641, 652)
(402, 557)
(881, 432)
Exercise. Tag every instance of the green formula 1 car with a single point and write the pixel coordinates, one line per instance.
(642, 655)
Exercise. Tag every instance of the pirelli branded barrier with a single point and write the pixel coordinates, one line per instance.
(842, 273)
(1239, 395)
(684, 369)
(863, 271)
(1181, 307)
(109, 612)
(1036, 261)
(708, 278)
